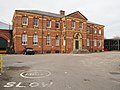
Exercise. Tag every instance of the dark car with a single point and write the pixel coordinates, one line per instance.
(29, 51)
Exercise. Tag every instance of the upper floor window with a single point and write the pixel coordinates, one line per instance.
(100, 32)
(57, 40)
(88, 42)
(73, 24)
(24, 20)
(81, 25)
(24, 39)
(64, 24)
(48, 40)
(48, 24)
(57, 25)
(35, 39)
(95, 30)
(35, 21)
(88, 30)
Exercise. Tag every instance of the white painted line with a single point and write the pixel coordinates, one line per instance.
(66, 72)
(68, 86)
(35, 74)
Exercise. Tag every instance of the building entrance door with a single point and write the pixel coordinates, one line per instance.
(76, 44)
(3, 45)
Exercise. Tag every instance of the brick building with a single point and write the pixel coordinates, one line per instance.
(56, 33)
(5, 37)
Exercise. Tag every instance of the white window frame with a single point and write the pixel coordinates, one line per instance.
(57, 23)
(35, 22)
(64, 40)
(88, 30)
(35, 39)
(57, 40)
(73, 24)
(88, 42)
(100, 31)
(100, 43)
(64, 24)
(49, 24)
(95, 31)
(24, 20)
(48, 40)
(95, 42)
(24, 39)
(81, 25)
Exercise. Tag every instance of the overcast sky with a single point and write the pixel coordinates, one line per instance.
(105, 12)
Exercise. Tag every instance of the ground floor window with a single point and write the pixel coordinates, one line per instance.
(88, 42)
(24, 39)
(35, 39)
(48, 40)
(95, 42)
(57, 40)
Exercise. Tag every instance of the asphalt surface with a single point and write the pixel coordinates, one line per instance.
(96, 71)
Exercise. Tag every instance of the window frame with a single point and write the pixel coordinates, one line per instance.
(95, 42)
(64, 40)
(73, 24)
(64, 24)
(57, 41)
(95, 31)
(57, 23)
(24, 20)
(49, 23)
(48, 40)
(35, 39)
(88, 42)
(35, 23)
(88, 30)
(100, 32)
(81, 25)
(24, 39)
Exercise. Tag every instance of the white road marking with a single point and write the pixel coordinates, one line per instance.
(35, 74)
(66, 72)
(68, 86)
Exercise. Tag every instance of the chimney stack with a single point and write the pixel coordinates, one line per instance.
(62, 12)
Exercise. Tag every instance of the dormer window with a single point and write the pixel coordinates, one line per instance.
(24, 20)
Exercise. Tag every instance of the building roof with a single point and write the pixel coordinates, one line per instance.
(5, 26)
(89, 22)
(42, 13)
(79, 13)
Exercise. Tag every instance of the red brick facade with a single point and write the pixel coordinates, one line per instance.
(69, 38)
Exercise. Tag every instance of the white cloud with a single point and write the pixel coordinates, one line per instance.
(100, 11)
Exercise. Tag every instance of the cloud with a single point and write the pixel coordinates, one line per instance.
(100, 11)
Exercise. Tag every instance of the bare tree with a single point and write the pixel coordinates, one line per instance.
(116, 37)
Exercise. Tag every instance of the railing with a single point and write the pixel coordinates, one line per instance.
(1, 63)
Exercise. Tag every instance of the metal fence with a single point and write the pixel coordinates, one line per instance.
(112, 44)
(1, 63)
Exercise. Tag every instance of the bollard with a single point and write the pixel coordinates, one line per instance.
(1, 63)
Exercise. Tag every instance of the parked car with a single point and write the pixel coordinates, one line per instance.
(29, 51)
